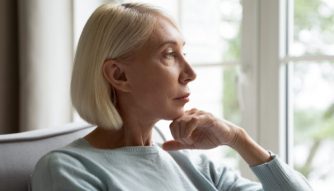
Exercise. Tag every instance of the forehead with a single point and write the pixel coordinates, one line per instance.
(165, 32)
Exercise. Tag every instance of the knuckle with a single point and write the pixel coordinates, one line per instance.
(194, 109)
(194, 119)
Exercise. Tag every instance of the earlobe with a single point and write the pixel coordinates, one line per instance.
(114, 73)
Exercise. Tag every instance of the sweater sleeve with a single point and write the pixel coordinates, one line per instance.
(276, 175)
(59, 171)
(273, 175)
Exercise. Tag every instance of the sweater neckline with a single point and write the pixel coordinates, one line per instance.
(154, 148)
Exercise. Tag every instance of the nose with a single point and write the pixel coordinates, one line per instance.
(188, 74)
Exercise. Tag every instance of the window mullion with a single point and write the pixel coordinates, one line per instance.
(272, 76)
(262, 76)
(248, 76)
(315, 58)
(223, 64)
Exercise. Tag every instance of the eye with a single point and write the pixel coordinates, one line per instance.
(171, 55)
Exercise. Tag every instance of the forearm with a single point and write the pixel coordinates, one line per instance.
(248, 149)
(273, 174)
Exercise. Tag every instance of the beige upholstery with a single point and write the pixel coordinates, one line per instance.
(19, 152)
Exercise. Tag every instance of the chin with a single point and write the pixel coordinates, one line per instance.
(174, 114)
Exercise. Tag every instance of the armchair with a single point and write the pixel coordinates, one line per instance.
(19, 152)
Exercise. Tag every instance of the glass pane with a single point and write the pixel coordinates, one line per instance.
(313, 109)
(212, 32)
(313, 27)
(214, 90)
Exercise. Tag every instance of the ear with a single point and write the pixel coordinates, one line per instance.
(114, 73)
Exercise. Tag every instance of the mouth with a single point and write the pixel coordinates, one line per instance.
(183, 97)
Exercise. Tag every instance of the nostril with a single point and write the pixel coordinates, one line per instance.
(192, 74)
(188, 74)
(188, 77)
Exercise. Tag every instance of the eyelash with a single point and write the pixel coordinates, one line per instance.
(173, 55)
(170, 55)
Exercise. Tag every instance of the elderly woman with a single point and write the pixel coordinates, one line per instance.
(129, 73)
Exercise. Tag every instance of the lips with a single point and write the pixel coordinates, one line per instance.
(184, 96)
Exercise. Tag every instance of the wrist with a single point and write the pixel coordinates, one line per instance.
(239, 137)
(249, 150)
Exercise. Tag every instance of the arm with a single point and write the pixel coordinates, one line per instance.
(201, 130)
(248, 149)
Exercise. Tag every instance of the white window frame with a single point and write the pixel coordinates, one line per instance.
(266, 34)
(262, 80)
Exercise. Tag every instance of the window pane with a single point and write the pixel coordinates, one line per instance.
(313, 108)
(313, 27)
(207, 90)
(214, 90)
(211, 29)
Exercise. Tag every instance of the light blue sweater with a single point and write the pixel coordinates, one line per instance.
(81, 167)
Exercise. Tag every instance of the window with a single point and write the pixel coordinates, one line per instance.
(267, 66)
(311, 68)
(293, 90)
(313, 121)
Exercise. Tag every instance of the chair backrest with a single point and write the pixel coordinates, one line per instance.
(19, 152)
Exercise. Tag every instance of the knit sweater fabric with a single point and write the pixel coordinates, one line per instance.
(80, 166)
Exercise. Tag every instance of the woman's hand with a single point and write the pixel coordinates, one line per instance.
(200, 130)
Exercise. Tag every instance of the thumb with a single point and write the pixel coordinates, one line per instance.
(173, 145)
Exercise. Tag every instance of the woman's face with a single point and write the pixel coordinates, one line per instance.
(159, 74)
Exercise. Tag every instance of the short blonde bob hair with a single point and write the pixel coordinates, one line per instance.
(113, 31)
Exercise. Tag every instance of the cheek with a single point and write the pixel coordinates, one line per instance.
(156, 93)
(148, 91)
(157, 82)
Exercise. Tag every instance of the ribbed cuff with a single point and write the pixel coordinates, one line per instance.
(276, 175)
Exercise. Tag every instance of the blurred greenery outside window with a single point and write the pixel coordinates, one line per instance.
(212, 34)
(312, 86)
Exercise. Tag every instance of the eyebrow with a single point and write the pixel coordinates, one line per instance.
(171, 42)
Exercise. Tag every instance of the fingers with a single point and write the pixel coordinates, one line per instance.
(174, 145)
(190, 127)
(194, 129)
(183, 128)
(200, 129)
(192, 111)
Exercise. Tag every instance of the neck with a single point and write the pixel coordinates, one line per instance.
(136, 131)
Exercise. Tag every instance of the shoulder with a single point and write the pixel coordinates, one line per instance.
(64, 169)
(56, 161)
(70, 155)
